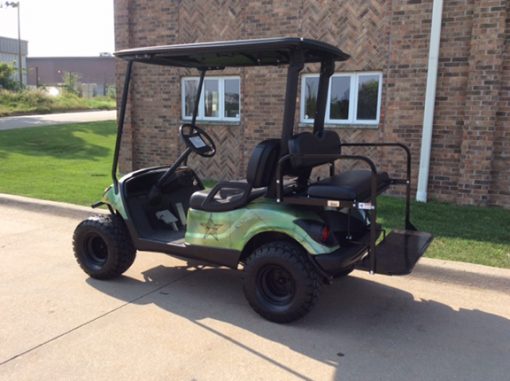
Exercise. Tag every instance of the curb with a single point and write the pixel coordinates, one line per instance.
(62, 209)
(53, 119)
(465, 274)
(68, 111)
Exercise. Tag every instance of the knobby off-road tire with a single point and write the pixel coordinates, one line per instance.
(102, 246)
(280, 283)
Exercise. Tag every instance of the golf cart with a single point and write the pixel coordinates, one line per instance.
(286, 231)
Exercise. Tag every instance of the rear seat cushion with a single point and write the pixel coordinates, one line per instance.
(350, 185)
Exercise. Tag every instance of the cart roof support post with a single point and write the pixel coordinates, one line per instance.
(196, 104)
(120, 125)
(327, 70)
(197, 99)
(296, 64)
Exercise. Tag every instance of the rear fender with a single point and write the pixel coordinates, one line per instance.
(234, 229)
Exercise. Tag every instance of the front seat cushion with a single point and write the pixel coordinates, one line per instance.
(223, 202)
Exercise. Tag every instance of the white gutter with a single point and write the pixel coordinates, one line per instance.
(430, 98)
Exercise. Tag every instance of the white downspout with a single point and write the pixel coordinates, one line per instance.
(430, 98)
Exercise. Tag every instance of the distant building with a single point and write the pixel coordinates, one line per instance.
(9, 55)
(96, 74)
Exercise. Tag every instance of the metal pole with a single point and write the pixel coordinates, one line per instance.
(430, 98)
(20, 65)
(16, 4)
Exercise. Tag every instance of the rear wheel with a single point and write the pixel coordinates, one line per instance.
(102, 247)
(280, 283)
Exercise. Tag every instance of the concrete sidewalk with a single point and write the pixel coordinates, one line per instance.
(12, 122)
(165, 320)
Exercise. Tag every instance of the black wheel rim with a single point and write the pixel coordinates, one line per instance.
(276, 285)
(96, 250)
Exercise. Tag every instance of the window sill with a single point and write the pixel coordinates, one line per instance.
(344, 126)
(214, 122)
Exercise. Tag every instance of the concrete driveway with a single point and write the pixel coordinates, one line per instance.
(12, 122)
(166, 321)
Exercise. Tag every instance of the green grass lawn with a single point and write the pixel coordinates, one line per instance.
(72, 163)
(461, 233)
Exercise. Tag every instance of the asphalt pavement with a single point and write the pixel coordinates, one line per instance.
(12, 122)
(165, 320)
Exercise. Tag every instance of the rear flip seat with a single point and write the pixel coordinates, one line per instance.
(349, 185)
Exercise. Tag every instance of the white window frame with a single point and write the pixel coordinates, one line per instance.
(221, 100)
(353, 100)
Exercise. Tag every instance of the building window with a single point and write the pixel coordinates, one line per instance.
(352, 98)
(220, 98)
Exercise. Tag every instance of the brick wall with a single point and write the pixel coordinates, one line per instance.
(470, 161)
(500, 173)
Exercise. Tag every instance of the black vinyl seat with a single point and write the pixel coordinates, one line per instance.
(230, 195)
(233, 195)
(349, 185)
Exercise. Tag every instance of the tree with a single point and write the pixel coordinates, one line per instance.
(71, 83)
(367, 100)
(311, 99)
(7, 77)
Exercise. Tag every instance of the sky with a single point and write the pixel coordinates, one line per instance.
(61, 27)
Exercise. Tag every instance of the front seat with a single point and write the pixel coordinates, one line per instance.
(230, 195)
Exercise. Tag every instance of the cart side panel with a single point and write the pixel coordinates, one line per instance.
(234, 229)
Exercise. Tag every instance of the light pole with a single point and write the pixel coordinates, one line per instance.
(16, 4)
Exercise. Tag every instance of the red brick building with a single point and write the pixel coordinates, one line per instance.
(388, 41)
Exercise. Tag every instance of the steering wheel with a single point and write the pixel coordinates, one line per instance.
(197, 140)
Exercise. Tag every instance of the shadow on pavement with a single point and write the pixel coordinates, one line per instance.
(362, 328)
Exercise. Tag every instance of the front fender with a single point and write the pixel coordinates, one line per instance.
(115, 201)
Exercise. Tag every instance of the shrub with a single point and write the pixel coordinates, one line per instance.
(111, 92)
(25, 101)
(7, 77)
(72, 83)
(39, 102)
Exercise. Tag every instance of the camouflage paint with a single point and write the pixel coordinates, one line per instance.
(233, 229)
(115, 201)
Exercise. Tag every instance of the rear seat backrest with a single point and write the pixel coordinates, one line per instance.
(308, 143)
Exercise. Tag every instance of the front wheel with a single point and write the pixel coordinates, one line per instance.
(102, 247)
(280, 283)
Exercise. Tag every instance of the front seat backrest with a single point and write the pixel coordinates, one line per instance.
(262, 164)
